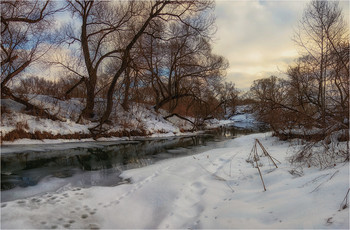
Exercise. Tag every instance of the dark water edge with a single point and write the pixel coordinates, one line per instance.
(100, 165)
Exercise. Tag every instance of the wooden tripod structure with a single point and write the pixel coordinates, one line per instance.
(254, 157)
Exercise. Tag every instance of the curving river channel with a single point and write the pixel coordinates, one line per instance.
(35, 169)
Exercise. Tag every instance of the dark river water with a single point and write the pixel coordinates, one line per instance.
(30, 172)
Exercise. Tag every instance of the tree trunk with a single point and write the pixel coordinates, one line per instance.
(156, 9)
(125, 103)
(110, 92)
(14, 73)
(88, 111)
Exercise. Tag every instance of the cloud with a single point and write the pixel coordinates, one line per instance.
(46, 66)
(256, 37)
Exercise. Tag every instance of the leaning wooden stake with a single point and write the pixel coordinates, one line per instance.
(267, 154)
(254, 154)
(257, 165)
(256, 157)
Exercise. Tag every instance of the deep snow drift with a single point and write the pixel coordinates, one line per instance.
(214, 189)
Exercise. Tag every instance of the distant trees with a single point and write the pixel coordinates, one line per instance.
(37, 85)
(271, 101)
(316, 93)
(228, 97)
(214, 98)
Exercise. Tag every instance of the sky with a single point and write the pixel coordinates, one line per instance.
(255, 36)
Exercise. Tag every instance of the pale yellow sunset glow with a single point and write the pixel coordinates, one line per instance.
(256, 37)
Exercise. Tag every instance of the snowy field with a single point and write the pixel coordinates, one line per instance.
(215, 189)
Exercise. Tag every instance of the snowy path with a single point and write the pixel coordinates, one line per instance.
(215, 189)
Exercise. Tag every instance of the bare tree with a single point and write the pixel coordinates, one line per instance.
(323, 34)
(180, 11)
(108, 33)
(316, 94)
(104, 26)
(228, 97)
(24, 28)
(215, 99)
(270, 96)
(24, 39)
(175, 65)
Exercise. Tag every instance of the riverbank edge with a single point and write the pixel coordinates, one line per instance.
(11, 146)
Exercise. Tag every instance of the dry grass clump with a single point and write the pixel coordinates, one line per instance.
(22, 125)
(324, 153)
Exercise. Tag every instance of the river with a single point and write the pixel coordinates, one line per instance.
(37, 169)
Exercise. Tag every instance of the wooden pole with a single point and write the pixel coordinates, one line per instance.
(257, 165)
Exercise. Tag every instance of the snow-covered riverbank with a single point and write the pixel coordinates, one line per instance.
(214, 189)
(19, 128)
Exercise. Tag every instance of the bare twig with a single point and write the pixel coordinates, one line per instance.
(344, 203)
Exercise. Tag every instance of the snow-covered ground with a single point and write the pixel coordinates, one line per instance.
(214, 189)
(140, 117)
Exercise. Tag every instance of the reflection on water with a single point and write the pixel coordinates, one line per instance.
(102, 165)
